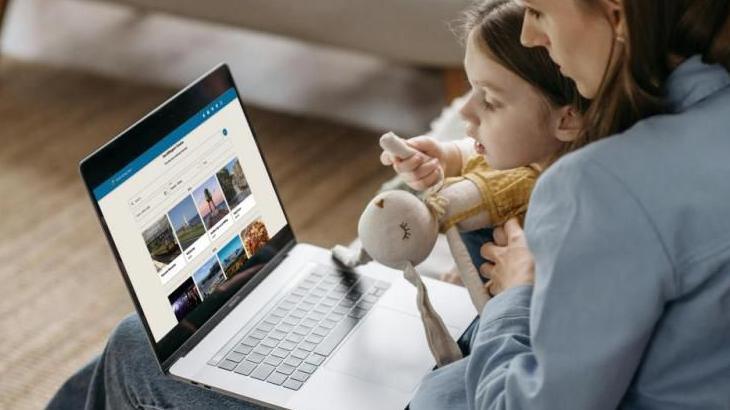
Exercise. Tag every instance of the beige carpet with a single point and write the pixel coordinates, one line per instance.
(61, 290)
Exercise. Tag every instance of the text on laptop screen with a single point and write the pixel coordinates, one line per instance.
(189, 215)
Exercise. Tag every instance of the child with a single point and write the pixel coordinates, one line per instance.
(520, 115)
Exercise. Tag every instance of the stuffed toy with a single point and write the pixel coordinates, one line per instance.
(399, 230)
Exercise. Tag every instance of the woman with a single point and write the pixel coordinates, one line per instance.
(630, 252)
(631, 255)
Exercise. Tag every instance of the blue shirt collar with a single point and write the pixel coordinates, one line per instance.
(693, 81)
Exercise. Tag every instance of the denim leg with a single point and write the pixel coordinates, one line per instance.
(126, 376)
(473, 241)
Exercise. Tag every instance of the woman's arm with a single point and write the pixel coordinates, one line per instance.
(575, 339)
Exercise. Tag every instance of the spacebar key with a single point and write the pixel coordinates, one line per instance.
(336, 336)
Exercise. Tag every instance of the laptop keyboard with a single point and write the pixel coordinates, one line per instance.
(305, 326)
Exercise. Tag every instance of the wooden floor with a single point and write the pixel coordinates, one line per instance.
(61, 290)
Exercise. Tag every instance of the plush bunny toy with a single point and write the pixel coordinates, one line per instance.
(399, 230)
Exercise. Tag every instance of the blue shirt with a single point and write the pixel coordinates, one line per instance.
(631, 303)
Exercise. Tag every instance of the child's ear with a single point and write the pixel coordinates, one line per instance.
(569, 124)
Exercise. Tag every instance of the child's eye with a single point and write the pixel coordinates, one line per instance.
(488, 105)
(533, 13)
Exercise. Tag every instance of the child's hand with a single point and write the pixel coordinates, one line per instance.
(424, 169)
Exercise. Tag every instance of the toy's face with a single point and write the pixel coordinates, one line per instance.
(397, 227)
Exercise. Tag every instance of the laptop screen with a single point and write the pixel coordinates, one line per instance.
(191, 216)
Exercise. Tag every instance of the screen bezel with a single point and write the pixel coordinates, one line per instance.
(133, 142)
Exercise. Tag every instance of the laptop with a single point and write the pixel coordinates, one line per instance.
(230, 301)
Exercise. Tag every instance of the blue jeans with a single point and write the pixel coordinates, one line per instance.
(126, 375)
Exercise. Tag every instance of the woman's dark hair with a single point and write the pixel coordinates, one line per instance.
(499, 25)
(658, 32)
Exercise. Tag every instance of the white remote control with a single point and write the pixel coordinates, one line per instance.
(397, 146)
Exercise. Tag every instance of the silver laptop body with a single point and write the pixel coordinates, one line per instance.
(230, 301)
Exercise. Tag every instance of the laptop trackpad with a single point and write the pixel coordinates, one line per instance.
(389, 348)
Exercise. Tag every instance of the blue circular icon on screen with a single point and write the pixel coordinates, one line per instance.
(225, 131)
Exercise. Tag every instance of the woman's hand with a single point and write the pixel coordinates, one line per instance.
(513, 264)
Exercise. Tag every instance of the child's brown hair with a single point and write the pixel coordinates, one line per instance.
(499, 25)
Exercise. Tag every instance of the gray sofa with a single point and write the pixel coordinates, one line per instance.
(416, 32)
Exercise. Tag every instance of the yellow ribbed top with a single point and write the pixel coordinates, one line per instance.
(505, 193)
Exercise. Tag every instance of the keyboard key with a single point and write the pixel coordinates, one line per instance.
(292, 384)
(245, 368)
(265, 327)
(369, 298)
(314, 339)
(357, 313)
(293, 361)
(320, 331)
(353, 295)
(262, 372)
(310, 323)
(293, 299)
(335, 337)
(335, 317)
(308, 346)
(328, 324)
(243, 349)
(287, 305)
(295, 338)
(258, 334)
(273, 360)
(298, 314)
(341, 310)
(284, 327)
(262, 350)
(287, 345)
(364, 305)
(315, 316)
(274, 320)
(255, 357)
(281, 353)
(250, 341)
(285, 369)
(315, 359)
(300, 354)
(228, 365)
(235, 357)
(300, 376)
(307, 368)
(347, 303)
(291, 320)
(276, 378)
(277, 335)
(301, 330)
(270, 342)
